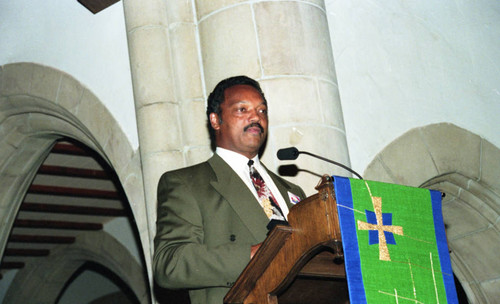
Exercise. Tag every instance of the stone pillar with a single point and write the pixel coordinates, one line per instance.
(286, 46)
(186, 65)
(157, 111)
(168, 93)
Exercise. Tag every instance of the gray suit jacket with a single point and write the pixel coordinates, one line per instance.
(207, 221)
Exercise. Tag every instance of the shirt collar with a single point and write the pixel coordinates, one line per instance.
(235, 159)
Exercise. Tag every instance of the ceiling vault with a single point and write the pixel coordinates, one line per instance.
(73, 192)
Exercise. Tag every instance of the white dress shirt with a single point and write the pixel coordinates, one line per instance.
(239, 164)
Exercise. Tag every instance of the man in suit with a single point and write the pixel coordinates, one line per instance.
(211, 218)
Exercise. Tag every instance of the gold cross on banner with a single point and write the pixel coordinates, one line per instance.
(381, 228)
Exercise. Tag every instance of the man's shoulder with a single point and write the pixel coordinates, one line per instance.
(190, 172)
(201, 172)
(193, 168)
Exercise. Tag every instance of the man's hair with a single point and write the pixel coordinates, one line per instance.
(217, 96)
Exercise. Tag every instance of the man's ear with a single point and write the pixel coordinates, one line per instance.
(214, 121)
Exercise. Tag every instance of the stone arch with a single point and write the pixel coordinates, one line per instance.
(45, 280)
(38, 105)
(466, 168)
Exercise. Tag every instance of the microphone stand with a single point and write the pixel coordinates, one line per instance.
(333, 162)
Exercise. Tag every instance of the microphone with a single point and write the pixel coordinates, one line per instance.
(292, 153)
(288, 153)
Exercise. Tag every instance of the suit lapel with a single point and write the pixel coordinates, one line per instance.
(233, 189)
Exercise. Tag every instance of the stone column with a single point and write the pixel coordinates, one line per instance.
(157, 111)
(168, 93)
(286, 46)
(186, 65)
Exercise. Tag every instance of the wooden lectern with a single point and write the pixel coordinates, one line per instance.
(299, 263)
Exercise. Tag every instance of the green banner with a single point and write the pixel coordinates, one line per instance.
(399, 248)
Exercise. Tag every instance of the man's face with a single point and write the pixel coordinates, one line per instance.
(242, 125)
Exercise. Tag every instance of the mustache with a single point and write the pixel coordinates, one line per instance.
(255, 124)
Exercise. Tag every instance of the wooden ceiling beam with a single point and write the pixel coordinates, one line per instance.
(41, 239)
(73, 192)
(96, 6)
(67, 209)
(57, 225)
(26, 252)
(11, 265)
(72, 172)
(68, 149)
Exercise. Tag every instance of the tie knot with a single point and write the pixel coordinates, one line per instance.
(251, 168)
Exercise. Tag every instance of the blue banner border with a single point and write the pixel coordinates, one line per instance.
(347, 223)
(442, 245)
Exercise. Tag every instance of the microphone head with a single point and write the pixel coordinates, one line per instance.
(288, 153)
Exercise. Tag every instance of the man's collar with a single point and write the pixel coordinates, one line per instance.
(231, 156)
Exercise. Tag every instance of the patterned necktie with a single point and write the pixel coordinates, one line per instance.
(266, 198)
